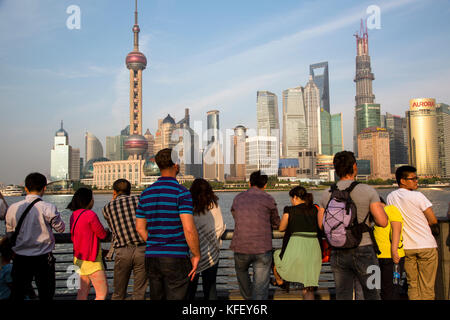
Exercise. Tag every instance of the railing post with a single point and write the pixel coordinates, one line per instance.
(442, 283)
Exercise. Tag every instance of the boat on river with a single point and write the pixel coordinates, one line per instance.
(13, 191)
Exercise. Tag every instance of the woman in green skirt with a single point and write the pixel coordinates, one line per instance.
(300, 258)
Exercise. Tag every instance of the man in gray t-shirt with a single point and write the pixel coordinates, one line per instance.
(363, 196)
(347, 264)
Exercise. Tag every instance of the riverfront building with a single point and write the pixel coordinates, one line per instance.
(423, 146)
(373, 145)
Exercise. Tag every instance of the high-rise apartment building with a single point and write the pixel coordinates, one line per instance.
(423, 146)
(295, 130)
(312, 107)
(373, 145)
(322, 82)
(93, 147)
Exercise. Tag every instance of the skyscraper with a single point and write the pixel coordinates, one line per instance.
(331, 133)
(237, 166)
(151, 142)
(163, 136)
(295, 130)
(212, 119)
(337, 133)
(267, 114)
(261, 153)
(443, 122)
(397, 146)
(312, 107)
(65, 160)
(423, 146)
(93, 147)
(322, 82)
(364, 75)
(213, 160)
(367, 113)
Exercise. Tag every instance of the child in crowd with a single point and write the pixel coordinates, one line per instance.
(5, 271)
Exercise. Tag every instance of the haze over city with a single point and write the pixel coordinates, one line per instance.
(201, 55)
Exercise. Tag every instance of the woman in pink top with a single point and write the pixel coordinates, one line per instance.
(86, 232)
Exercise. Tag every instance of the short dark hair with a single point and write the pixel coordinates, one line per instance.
(164, 159)
(402, 172)
(35, 181)
(343, 163)
(258, 179)
(301, 193)
(80, 199)
(122, 186)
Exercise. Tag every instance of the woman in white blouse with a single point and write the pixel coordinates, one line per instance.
(210, 227)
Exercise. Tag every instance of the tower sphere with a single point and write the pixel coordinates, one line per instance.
(136, 145)
(136, 60)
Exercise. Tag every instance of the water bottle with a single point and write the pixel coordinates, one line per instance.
(396, 275)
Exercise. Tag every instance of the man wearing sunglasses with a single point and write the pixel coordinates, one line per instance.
(421, 256)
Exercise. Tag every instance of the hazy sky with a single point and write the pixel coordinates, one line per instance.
(204, 55)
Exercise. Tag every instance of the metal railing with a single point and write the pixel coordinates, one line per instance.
(226, 277)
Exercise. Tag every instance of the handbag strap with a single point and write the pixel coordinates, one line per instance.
(22, 218)
(73, 228)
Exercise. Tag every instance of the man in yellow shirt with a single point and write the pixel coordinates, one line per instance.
(389, 241)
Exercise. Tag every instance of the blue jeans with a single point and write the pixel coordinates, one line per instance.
(261, 264)
(348, 264)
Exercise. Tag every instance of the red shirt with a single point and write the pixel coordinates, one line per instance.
(86, 235)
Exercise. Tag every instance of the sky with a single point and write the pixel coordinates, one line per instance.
(202, 55)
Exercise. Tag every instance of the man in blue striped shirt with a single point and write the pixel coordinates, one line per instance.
(165, 221)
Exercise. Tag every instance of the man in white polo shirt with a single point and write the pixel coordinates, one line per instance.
(421, 255)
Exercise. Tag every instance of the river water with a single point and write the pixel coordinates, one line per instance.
(440, 197)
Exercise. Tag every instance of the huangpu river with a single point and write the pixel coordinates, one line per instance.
(440, 197)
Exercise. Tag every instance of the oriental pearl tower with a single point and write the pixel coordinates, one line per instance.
(136, 144)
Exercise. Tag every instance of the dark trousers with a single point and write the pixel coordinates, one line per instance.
(130, 259)
(168, 277)
(41, 269)
(208, 283)
(389, 291)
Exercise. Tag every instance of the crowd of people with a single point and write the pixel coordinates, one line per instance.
(169, 236)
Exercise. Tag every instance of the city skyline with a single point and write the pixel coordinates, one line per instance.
(79, 76)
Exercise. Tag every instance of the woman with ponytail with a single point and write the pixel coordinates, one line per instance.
(300, 258)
